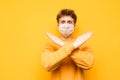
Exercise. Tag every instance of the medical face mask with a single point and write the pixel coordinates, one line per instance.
(66, 29)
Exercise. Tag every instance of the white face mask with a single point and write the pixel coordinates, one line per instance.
(66, 29)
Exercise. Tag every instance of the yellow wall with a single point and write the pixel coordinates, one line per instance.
(24, 22)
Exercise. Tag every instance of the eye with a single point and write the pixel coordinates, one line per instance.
(70, 22)
(62, 22)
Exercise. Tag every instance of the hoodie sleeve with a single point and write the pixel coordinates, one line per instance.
(83, 57)
(51, 58)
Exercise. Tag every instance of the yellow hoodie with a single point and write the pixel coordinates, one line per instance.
(66, 63)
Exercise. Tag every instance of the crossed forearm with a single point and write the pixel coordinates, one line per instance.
(77, 43)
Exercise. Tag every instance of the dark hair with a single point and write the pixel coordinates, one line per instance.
(66, 12)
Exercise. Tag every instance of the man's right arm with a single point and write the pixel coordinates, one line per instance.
(52, 59)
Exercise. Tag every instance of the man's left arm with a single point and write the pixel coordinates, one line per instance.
(83, 57)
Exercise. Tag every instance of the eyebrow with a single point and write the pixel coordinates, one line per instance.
(68, 21)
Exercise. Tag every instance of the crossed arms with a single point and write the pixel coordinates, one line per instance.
(82, 57)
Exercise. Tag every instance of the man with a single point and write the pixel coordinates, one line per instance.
(67, 58)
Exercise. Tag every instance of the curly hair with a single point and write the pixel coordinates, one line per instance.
(66, 12)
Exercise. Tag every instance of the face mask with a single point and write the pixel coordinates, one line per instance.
(66, 29)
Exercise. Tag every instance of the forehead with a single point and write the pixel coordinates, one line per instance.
(66, 18)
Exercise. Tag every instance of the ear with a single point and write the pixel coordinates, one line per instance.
(57, 25)
(74, 25)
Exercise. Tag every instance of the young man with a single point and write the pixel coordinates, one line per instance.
(67, 58)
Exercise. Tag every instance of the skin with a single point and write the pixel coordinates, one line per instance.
(64, 20)
(78, 41)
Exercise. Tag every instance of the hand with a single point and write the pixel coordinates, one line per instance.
(81, 39)
(55, 39)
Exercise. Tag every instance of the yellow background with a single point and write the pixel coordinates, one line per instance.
(23, 24)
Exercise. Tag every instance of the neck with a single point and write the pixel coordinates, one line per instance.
(66, 38)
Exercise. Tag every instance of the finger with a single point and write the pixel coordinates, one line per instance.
(86, 35)
(81, 39)
(89, 34)
(48, 34)
(55, 39)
